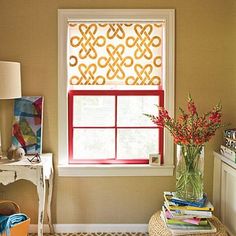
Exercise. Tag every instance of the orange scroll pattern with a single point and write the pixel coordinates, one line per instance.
(115, 54)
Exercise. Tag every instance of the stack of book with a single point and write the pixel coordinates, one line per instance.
(185, 217)
(229, 148)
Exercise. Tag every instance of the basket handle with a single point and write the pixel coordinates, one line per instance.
(8, 207)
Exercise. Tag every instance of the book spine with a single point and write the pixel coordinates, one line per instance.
(207, 214)
(195, 232)
(186, 216)
(189, 227)
(170, 196)
(165, 209)
(186, 203)
(184, 223)
(191, 208)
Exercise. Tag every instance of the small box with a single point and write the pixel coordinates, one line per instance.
(20, 229)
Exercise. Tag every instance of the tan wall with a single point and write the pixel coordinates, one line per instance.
(205, 66)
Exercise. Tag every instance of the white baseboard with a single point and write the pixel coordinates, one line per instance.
(107, 228)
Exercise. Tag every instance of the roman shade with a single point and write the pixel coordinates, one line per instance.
(119, 54)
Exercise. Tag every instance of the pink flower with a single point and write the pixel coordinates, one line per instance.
(159, 121)
(192, 108)
(215, 117)
(190, 128)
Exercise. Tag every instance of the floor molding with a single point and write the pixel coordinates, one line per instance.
(107, 228)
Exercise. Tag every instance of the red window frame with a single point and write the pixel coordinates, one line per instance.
(116, 93)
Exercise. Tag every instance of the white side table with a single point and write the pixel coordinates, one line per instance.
(39, 174)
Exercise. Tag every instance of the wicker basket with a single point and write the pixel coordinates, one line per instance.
(9, 208)
(156, 227)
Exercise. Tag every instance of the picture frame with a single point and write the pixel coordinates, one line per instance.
(154, 159)
(28, 124)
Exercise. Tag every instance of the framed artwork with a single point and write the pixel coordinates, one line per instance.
(154, 159)
(27, 124)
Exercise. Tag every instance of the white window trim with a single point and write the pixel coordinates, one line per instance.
(65, 15)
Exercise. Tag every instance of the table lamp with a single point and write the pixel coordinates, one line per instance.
(10, 84)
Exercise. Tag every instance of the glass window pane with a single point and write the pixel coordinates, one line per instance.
(94, 111)
(137, 143)
(94, 143)
(131, 108)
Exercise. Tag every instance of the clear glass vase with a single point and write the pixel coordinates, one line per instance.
(189, 172)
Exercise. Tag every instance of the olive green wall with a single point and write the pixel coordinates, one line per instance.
(205, 66)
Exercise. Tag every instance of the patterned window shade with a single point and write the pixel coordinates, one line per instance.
(115, 54)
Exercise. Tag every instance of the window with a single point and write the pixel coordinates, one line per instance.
(113, 67)
(109, 126)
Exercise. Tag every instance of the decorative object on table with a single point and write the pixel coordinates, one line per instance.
(190, 131)
(154, 159)
(230, 133)
(10, 78)
(15, 153)
(27, 126)
(230, 143)
(35, 159)
(230, 139)
(228, 149)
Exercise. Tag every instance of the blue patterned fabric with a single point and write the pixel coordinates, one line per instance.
(6, 222)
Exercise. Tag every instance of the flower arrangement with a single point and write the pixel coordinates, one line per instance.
(190, 132)
(190, 128)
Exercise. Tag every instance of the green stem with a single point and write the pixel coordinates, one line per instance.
(189, 174)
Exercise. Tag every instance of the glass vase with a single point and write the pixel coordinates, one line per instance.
(189, 172)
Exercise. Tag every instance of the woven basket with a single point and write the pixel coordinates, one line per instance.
(156, 227)
(8, 207)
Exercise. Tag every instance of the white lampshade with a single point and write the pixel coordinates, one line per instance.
(10, 80)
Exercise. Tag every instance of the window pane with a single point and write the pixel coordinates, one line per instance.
(94, 111)
(137, 143)
(131, 109)
(94, 143)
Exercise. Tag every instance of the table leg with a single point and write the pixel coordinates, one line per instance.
(41, 194)
(49, 214)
